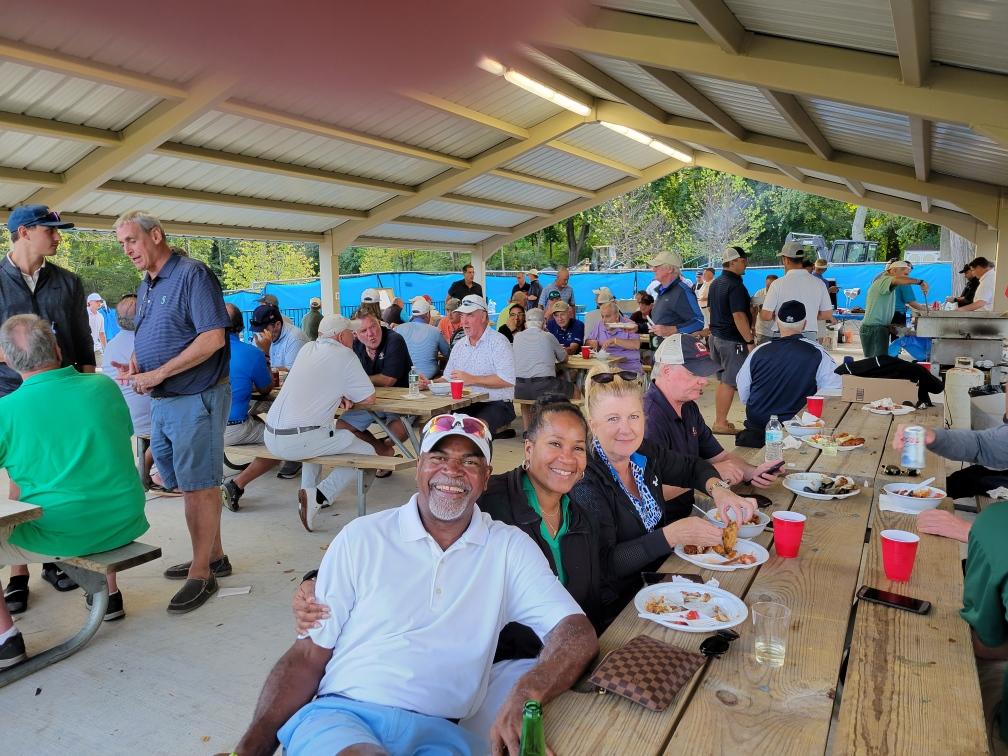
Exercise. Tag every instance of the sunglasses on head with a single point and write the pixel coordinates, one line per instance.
(471, 425)
(626, 375)
(715, 645)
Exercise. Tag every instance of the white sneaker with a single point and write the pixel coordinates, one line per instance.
(308, 507)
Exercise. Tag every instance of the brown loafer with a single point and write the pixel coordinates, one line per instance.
(192, 595)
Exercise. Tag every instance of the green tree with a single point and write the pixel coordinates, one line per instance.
(266, 261)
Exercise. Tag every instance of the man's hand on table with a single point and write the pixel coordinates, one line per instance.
(467, 378)
(897, 442)
(763, 479)
(941, 523)
(731, 470)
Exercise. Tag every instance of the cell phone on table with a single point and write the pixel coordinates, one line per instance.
(895, 600)
(652, 578)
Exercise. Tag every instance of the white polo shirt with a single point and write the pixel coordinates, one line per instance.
(415, 627)
(985, 291)
(492, 355)
(323, 372)
(804, 287)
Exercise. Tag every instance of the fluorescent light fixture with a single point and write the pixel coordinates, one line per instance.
(535, 87)
(647, 141)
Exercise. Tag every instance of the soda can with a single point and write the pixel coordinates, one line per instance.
(913, 448)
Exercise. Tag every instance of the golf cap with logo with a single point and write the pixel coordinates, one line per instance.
(553, 295)
(666, 258)
(603, 295)
(791, 311)
(94, 297)
(420, 306)
(34, 215)
(451, 304)
(793, 251)
(734, 253)
(269, 299)
(559, 306)
(683, 349)
(441, 427)
(472, 303)
(315, 302)
(333, 325)
(265, 315)
(369, 296)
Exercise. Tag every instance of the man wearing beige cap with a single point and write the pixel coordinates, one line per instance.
(325, 376)
(534, 293)
(310, 322)
(799, 285)
(424, 342)
(675, 309)
(881, 304)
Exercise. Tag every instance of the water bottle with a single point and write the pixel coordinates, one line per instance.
(414, 383)
(774, 440)
(533, 739)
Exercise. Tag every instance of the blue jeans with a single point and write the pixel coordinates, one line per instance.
(187, 437)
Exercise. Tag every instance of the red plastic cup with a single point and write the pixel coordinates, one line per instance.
(814, 405)
(586, 352)
(456, 389)
(899, 549)
(788, 528)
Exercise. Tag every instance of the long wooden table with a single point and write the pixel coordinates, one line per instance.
(911, 686)
(397, 401)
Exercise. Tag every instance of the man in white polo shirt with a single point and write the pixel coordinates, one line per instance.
(983, 300)
(797, 284)
(325, 376)
(417, 596)
(484, 360)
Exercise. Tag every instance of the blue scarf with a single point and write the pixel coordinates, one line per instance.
(646, 506)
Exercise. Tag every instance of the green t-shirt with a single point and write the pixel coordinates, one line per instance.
(65, 441)
(881, 302)
(552, 541)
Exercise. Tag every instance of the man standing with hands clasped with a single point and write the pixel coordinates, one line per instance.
(181, 357)
(732, 336)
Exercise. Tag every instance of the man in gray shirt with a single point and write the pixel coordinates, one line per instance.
(561, 285)
(536, 354)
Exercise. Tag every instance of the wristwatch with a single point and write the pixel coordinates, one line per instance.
(717, 484)
(310, 575)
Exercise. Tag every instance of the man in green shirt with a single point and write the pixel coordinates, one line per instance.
(65, 443)
(881, 306)
(310, 322)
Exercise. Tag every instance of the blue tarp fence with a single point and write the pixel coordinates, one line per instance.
(293, 297)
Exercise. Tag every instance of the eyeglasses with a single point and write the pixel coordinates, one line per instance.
(626, 375)
(471, 425)
(717, 644)
(894, 470)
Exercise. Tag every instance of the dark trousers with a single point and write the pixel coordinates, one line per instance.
(497, 414)
(974, 480)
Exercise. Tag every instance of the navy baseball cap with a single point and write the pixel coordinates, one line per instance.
(265, 315)
(791, 311)
(34, 215)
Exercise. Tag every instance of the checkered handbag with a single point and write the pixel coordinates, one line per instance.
(646, 671)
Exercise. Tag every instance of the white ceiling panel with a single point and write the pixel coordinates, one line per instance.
(453, 211)
(565, 73)
(745, 104)
(970, 33)
(643, 84)
(960, 151)
(551, 164)
(597, 138)
(492, 95)
(39, 153)
(518, 192)
(15, 194)
(423, 233)
(862, 131)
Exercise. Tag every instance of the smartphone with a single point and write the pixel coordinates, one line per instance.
(776, 467)
(651, 578)
(895, 600)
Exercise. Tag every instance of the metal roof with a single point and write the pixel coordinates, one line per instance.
(837, 97)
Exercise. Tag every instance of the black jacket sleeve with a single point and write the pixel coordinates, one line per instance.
(680, 469)
(80, 328)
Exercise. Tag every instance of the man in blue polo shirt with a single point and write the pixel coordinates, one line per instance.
(675, 309)
(569, 331)
(180, 358)
(681, 368)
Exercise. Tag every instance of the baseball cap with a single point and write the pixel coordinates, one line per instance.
(965, 267)
(265, 315)
(94, 297)
(820, 263)
(560, 306)
(683, 349)
(534, 273)
(269, 299)
(471, 303)
(314, 302)
(420, 306)
(792, 250)
(553, 295)
(34, 215)
(451, 304)
(898, 264)
(791, 311)
(335, 324)
(982, 262)
(734, 253)
(603, 294)
(666, 258)
(442, 426)
(369, 296)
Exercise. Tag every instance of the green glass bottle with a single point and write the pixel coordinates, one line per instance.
(533, 738)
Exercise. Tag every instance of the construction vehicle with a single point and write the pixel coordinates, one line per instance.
(837, 251)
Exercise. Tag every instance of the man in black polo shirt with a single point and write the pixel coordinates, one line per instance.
(731, 332)
(386, 360)
(465, 285)
(682, 366)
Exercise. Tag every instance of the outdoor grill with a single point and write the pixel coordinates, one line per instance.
(978, 335)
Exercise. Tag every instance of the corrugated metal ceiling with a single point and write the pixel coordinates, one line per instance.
(566, 74)
(548, 163)
(39, 153)
(643, 84)
(970, 33)
(452, 211)
(863, 131)
(518, 192)
(397, 231)
(602, 141)
(745, 104)
(960, 151)
(496, 97)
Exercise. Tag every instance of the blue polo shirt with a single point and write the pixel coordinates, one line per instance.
(574, 332)
(248, 371)
(181, 302)
(676, 305)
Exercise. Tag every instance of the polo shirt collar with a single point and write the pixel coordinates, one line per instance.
(56, 374)
(166, 270)
(411, 527)
(663, 403)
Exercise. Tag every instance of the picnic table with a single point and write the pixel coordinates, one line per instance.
(911, 684)
(397, 401)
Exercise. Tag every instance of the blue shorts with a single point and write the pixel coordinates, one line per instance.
(331, 723)
(187, 438)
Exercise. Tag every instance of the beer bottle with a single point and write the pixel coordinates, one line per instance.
(533, 739)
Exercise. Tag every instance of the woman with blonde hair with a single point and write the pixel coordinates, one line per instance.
(622, 489)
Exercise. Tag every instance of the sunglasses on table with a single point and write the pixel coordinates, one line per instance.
(472, 425)
(626, 375)
(715, 645)
(894, 470)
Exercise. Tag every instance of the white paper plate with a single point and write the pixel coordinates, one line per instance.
(730, 604)
(745, 531)
(899, 411)
(800, 431)
(796, 482)
(808, 440)
(712, 561)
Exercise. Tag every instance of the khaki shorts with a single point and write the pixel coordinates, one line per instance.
(11, 554)
(249, 432)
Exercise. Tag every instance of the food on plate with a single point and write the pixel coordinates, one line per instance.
(920, 493)
(729, 537)
(720, 615)
(754, 520)
(817, 423)
(658, 605)
(840, 439)
(828, 486)
(695, 596)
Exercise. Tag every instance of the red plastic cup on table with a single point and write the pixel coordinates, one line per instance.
(899, 549)
(814, 405)
(456, 389)
(788, 528)
(586, 352)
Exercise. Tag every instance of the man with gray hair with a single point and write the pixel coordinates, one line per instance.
(536, 356)
(44, 425)
(675, 309)
(561, 285)
(181, 359)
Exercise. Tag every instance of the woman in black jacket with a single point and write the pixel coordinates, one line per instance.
(622, 489)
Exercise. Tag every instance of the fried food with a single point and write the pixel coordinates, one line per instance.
(658, 605)
(729, 536)
(754, 520)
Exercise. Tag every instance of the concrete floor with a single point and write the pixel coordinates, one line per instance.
(156, 683)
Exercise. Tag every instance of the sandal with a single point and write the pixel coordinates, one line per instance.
(382, 473)
(16, 599)
(57, 578)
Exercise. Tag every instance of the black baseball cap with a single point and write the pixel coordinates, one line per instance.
(265, 315)
(791, 311)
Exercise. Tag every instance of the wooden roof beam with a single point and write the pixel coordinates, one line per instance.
(920, 142)
(792, 112)
(718, 22)
(912, 23)
(711, 111)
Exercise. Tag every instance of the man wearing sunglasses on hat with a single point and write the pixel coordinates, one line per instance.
(460, 577)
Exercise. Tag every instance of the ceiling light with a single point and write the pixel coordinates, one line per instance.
(644, 139)
(491, 66)
(535, 87)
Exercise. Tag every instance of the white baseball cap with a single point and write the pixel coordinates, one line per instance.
(314, 302)
(457, 424)
(471, 303)
(332, 325)
(683, 349)
(420, 306)
(94, 297)
(603, 295)
(792, 250)
(370, 296)
(534, 273)
(734, 253)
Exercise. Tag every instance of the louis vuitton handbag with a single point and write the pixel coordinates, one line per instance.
(646, 671)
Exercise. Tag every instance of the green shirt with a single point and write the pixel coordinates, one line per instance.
(552, 541)
(65, 441)
(881, 302)
(310, 323)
